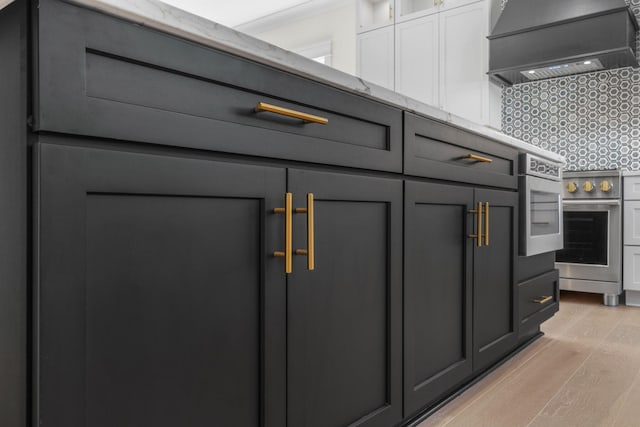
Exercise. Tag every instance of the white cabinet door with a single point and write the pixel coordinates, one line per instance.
(631, 274)
(464, 84)
(632, 188)
(375, 56)
(417, 59)
(632, 223)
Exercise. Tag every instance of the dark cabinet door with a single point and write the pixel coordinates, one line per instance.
(344, 318)
(494, 299)
(437, 292)
(158, 302)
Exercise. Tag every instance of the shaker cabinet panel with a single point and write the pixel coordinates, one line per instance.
(375, 56)
(632, 222)
(438, 291)
(158, 300)
(118, 80)
(416, 61)
(463, 61)
(495, 310)
(631, 271)
(437, 150)
(344, 317)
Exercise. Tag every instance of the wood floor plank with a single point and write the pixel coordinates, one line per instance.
(572, 312)
(629, 414)
(598, 389)
(493, 380)
(521, 396)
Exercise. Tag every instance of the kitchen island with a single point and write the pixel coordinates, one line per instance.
(225, 233)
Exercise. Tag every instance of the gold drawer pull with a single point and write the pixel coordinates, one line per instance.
(486, 224)
(288, 233)
(307, 118)
(543, 300)
(478, 158)
(478, 213)
(310, 251)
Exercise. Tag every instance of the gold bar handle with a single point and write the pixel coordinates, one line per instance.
(310, 251)
(478, 213)
(486, 224)
(478, 158)
(288, 233)
(543, 300)
(305, 117)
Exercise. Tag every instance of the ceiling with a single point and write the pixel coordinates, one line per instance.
(233, 13)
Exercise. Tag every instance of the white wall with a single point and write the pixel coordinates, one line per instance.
(336, 24)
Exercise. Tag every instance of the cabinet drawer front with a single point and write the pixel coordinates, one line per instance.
(538, 294)
(440, 151)
(117, 80)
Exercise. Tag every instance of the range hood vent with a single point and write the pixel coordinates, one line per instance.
(539, 39)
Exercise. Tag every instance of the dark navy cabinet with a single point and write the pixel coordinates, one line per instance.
(174, 252)
(157, 275)
(438, 291)
(460, 293)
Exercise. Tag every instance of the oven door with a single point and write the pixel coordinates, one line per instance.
(592, 243)
(540, 215)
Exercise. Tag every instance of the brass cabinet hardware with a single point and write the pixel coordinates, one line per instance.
(310, 251)
(478, 158)
(486, 224)
(543, 299)
(478, 236)
(305, 117)
(288, 233)
(572, 187)
(390, 11)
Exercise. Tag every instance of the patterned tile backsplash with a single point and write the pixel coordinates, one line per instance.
(592, 119)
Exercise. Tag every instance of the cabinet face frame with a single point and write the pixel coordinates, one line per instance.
(65, 177)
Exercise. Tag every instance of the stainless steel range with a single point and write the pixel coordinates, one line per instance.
(591, 260)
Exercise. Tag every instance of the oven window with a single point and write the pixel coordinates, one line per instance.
(545, 213)
(586, 238)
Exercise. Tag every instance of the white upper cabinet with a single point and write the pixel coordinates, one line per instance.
(452, 4)
(411, 9)
(375, 57)
(464, 83)
(416, 71)
(374, 14)
(440, 56)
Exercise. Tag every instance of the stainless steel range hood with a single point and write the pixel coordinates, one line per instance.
(537, 39)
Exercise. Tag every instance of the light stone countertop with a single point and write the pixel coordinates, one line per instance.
(166, 18)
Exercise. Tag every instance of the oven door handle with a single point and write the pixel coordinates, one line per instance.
(607, 202)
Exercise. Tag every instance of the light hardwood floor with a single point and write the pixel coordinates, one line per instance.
(584, 372)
